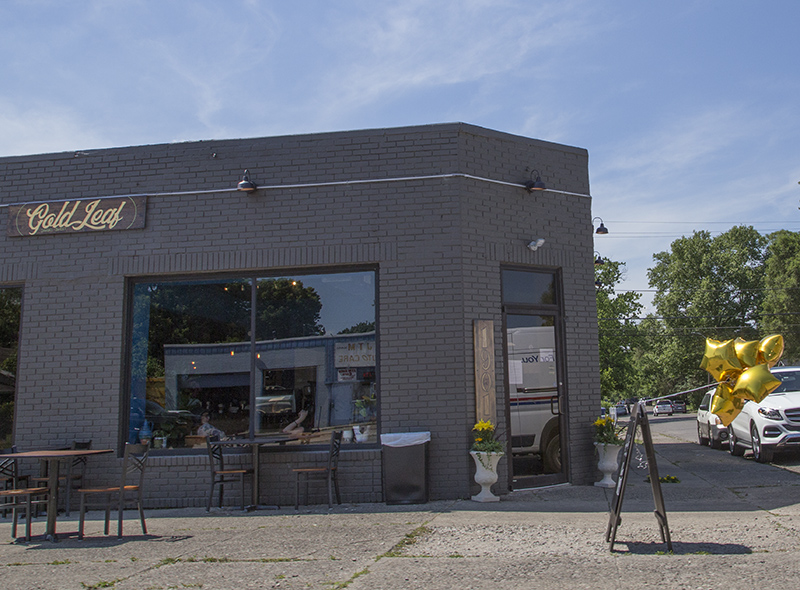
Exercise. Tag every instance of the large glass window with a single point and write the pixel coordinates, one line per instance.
(10, 304)
(197, 366)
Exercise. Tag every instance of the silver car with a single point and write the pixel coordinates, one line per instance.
(710, 429)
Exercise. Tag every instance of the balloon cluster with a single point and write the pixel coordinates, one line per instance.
(742, 369)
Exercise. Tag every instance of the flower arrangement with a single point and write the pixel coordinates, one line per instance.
(606, 433)
(483, 439)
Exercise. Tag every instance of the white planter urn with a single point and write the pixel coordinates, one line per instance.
(485, 474)
(607, 463)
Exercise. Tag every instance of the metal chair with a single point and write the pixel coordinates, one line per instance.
(9, 471)
(22, 498)
(76, 470)
(328, 473)
(16, 496)
(219, 475)
(133, 467)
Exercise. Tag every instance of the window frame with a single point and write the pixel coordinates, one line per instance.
(253, 276)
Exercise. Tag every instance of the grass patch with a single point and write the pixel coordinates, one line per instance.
(355, 576)
(399, 549)
(664, 479)
(101, 584)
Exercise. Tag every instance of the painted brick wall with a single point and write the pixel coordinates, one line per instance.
(439, 244)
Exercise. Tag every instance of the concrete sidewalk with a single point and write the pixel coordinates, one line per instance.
(734, 524)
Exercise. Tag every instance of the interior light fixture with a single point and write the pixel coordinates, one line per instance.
(601, 229)
(245, 184)
(534, 245)
(535, 184)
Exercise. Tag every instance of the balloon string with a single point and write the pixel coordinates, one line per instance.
(653, 399)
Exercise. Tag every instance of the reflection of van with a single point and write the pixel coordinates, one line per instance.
(534, 394)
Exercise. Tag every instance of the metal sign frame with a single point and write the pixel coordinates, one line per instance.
(638, 419)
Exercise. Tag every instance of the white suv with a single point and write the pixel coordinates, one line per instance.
(710, 429)
(772, 425)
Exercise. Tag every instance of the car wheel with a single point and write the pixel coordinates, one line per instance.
(733, 444)
(714, 443)
(760, 454)
(552, 454)
(700, 438)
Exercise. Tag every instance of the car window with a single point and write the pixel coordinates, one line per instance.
(790, 381)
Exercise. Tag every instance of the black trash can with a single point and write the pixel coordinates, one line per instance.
(405, 467)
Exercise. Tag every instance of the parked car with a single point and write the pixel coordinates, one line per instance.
(619, 410)
(773, 424)
(662, 407)
(710, 429)
(679, 406)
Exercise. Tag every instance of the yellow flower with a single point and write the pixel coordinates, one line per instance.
(483, 425)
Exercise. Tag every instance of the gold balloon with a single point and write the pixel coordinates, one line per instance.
(725, 405)
(720, 359)
(756, 383)
(770, 349)
(747, 352)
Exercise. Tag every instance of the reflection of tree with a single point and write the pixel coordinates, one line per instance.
(201, 313)
(359, 328)
(286, 309)
(10, 302)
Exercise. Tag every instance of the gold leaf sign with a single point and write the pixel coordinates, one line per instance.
(83, 215)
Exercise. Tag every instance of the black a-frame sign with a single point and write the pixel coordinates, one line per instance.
(638, 419)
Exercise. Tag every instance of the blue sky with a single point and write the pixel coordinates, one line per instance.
(689, 110)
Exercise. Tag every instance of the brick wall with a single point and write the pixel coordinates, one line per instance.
(439, 244)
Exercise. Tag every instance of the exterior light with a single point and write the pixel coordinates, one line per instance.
(245, 184)
(535, 184)
(601, 229)
(598, 261)
(534, 245)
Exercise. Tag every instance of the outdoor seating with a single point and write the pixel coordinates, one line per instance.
(10, 479)
(130, 489)
(23, 498)
(76, 470)
(219, 475)
(328, 473)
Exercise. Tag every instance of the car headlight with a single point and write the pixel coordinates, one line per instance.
(770, 413)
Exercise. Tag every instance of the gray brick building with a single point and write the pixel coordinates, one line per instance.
(403, 244)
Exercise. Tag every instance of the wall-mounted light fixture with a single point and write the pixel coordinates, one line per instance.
(535, 183)
(601, 229)
(534, 245)
(598, 261)
(245, 184)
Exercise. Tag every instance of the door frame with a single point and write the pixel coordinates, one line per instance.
(533, 481)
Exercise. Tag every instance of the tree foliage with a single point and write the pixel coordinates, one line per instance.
(737, 284)
(781, 304)
(618, 333)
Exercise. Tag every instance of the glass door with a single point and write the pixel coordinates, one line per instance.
(534, 400)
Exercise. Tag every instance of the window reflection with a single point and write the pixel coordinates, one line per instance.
(312, 366)
(10, 305)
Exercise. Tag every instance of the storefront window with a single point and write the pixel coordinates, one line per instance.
(10, 304)
(309, 366)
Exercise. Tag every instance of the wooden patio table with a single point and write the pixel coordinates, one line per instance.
(54, 458)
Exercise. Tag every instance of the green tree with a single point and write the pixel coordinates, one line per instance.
(705, 288)
(618, 332)
(287, 309)
(781, 306)
(359, 328)
(10, 304)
